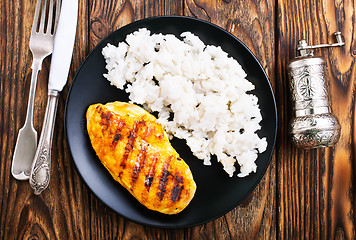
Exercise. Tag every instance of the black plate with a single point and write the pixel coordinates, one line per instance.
(216, 193)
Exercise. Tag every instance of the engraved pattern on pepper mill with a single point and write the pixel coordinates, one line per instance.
(318, 131)
(314, 125)
(309, 90)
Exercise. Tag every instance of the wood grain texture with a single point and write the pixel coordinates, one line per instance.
(316, 187)
(15, 62)
(105, 17)
(59, 212)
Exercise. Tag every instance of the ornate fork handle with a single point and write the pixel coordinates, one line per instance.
(41, 166)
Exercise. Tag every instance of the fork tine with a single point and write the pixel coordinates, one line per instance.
(37, 16)
(58, 10)
(50, 16)
(43, 15)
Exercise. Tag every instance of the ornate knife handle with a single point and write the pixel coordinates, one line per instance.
(41, 166)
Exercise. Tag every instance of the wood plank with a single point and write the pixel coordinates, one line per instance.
(105, 17)
(57, 211)
(253, 23)
(69, 197)
(16, 60)
(315, 187)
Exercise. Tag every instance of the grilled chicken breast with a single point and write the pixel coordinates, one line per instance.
(137, 153)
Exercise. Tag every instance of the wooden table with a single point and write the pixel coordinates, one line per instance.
(307, 194)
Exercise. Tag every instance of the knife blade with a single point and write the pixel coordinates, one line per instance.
(60, 64)
(63, 45)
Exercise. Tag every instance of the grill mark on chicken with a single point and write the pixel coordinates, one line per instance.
(118, 136)
(106, 117)
(177, 188)
(151, 173)
(162, 184)
(164, 178)
(141, 159)
(129, 146)
(130, 143)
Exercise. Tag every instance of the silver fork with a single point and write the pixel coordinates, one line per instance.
(41, 45)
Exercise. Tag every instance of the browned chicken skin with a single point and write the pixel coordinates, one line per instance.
(137, 153)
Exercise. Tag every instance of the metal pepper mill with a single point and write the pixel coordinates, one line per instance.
(314, 125)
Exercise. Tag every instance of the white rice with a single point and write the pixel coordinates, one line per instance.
(201, 85)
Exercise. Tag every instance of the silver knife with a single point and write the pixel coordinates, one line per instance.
(60, 64)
